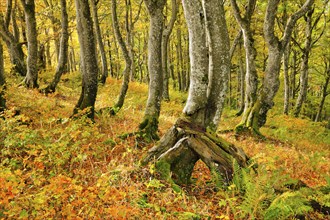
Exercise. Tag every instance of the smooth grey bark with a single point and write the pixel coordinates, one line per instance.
(305, 64)
(31, 78)
(11, 39)
(62, 65)
(2, 80)
(88, 59)
(128, 62)
(286, 58)
(199, 62)
(187, 141)
(104, 73)
(55, 25)
(241, 82)
(219, 61)
(325, 91)
(149, 125)
(251, 76)
(166, 35)
(276, 48)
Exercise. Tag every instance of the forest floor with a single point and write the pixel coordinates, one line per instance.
(55, 167)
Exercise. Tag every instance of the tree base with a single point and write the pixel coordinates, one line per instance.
(184, 144)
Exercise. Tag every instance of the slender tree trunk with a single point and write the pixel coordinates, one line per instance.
(325, 93)
(2, 80)
(12, 40)
(87, 59)
(293, 75)
(286, 58)
(62, 65)
(276, 48)
(104, 73)
(128, 61)
(304, 65)
(166, 35)
(242, 82)
(251, 77)
(149, 125)
(31, 79)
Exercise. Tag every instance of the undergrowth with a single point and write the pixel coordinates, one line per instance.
(52, 166)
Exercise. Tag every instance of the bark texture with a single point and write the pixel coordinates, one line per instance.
(31, 78)
(188, 140)
(219, 62)
(304, 65)
(2, 80)
(127, 58)
(149, 125)
(276, 49)
(166, 36)
(251, 77)
(87, 59)
(62, 65)
(11, 39)
(104, 72)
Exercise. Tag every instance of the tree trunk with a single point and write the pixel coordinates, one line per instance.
(12, 40)
(304, 65)
(62, 66)
(219, 62)
(325, 93)
(31, 79)
(251, 77)
(2, 81)
(128, 61)
(104, 73)
(166, 35)
(87, 59)
(187, 141)
(276, 48)
(149, 125)
(286, 58)
(241, 82)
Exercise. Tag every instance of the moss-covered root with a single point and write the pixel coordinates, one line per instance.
(148, 129)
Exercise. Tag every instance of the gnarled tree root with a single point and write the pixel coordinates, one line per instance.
(184, 144)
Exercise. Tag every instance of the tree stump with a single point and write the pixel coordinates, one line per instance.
(184, 144)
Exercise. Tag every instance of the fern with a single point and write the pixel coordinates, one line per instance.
(287, 205)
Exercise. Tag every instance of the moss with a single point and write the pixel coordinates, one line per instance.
(164, 169)
(148, 128)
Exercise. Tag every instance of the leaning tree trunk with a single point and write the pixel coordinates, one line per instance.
(166, 36)
(2, 81)
(187, 141)
(62, 66)
(304, 65)
(149, 124)
(325, 93)
(31, 78)
(251, 77)
(276, 47)
(128, 62)
(98, 34)
(87, 59)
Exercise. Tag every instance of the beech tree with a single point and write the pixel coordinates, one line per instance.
(166, 35)
(31, 78)
(2, 80)
(149, 124)
(188, 140)
(62, 65)
(12, 38)
(104, 72)
(276, 47)
(251, 77)
(88, 60)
